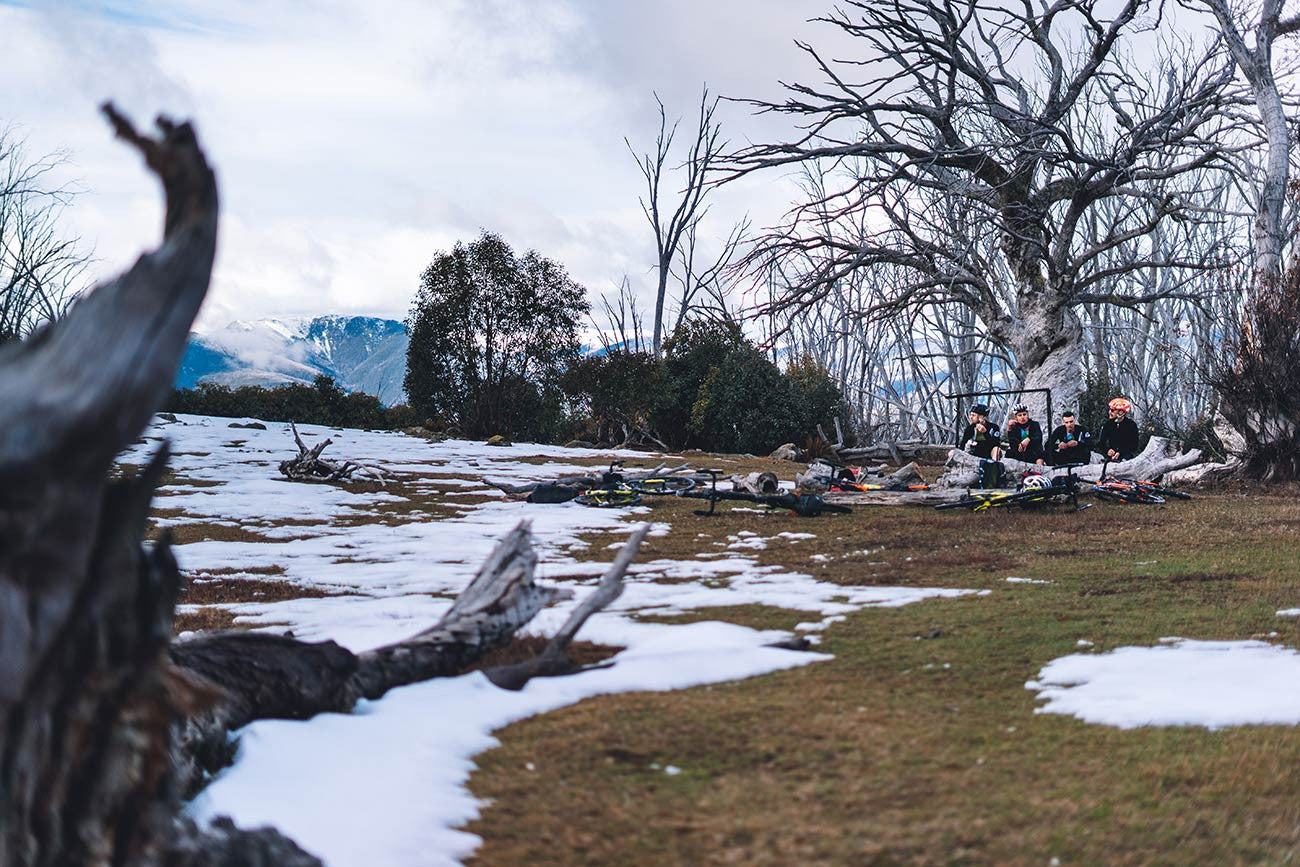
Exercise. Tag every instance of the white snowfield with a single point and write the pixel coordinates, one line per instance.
(1177, 683)
(386, 785)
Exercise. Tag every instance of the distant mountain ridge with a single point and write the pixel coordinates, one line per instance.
(361, 353)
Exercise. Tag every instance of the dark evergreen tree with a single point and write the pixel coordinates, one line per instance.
(491, 335)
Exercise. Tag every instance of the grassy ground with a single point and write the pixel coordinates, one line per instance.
(918, 743)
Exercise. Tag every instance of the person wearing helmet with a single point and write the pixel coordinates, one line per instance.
(1024, 438)
(1069, 443)
(980, 437)
(1119, 435)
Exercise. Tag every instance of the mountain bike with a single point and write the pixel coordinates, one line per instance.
(613, 491)
(1121, 490)
(1052, 492)
(803, 505)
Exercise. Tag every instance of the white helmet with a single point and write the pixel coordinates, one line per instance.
(1035, 481)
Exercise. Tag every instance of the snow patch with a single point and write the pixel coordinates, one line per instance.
(1182, 682)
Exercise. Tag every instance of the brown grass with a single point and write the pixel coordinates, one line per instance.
(882, 756)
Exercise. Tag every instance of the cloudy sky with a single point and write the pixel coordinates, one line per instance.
(354, 140)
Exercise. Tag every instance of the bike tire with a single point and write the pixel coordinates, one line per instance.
(602, 499)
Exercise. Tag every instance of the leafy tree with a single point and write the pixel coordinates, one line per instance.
(491, 335)
(818, 399)
(690, 356)
(746, 405)
(617, 391)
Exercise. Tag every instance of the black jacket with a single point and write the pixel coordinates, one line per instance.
(1122, 437)
(1077, 454)
(981, 443)
(1032, 432)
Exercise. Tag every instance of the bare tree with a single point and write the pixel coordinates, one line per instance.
(1017, 120)
(673, 214)
(40, 268)
(1256, 65)
(1256, 371)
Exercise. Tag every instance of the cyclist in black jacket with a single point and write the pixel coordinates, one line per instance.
(1119, 435)
(980, 437)
(1070, 442)
(1024, 438)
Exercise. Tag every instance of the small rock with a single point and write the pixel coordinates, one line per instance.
(498, 440)
(787, 452)
(933, 633)
(166, 416)
(579, 444)
(252, 425)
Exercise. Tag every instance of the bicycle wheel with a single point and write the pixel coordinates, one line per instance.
(667, 485)
(1159, 491)
(602, 498)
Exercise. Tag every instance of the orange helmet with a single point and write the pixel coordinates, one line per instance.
(1121, 404)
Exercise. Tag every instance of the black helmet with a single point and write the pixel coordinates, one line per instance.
(980, 408)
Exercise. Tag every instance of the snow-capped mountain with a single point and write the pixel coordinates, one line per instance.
(361, 353)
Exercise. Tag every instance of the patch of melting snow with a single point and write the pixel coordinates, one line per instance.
(393, 791)
(1180, 682)
(1027, 581)
(1289, 612)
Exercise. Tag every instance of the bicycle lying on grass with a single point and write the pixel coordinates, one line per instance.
(1037, 491)
(803, 505)
(613, 491)
(1118, 490)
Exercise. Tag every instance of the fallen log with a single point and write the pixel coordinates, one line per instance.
(896, 453)
(309, 466)
(1160, 456)
(893, 498)
(1234, 443)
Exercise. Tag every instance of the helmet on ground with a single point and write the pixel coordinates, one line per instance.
(1034, 482)
(1121, 404)
(980, 408)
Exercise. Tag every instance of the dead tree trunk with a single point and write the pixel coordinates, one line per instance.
(104, 725)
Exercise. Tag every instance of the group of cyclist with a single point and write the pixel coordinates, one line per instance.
(1069, 443)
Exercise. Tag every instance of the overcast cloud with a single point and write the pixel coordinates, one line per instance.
(353, 140)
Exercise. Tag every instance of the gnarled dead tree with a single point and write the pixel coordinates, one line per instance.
(104, 723)
(309, 466)
(967, 148)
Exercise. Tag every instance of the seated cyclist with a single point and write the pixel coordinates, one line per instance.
(1024, 438)
(980, 438)
(1119, 435)
(1070, 442)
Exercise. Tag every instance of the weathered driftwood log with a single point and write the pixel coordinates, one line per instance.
(96, 706)
(554, 659)
(895, 453)
(1160, 456)
(1234, 443)
(309, 466)
(255, 676)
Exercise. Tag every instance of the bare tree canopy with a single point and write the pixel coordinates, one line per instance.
(40, 268)
(969, 151)
(675, 215)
